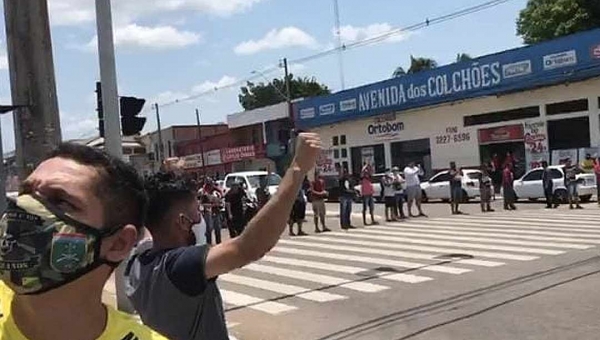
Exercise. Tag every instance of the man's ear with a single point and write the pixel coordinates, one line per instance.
(117, 247)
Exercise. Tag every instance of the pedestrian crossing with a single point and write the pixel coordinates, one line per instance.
(333, 267)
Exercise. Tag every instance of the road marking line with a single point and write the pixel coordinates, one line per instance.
(503, 256)
(341, 239)
(536, 226)
(431, 267)
(407, 278)
(400, 232)
(531, 221)
(505, 232)
(353, 258)
(247, 301)
(364, 287)
(300, 292)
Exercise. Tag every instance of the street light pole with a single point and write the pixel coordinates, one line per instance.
(161, 156)
(108, 78)
(200, 140)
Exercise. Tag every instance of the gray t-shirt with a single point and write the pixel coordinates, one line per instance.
(170, 291)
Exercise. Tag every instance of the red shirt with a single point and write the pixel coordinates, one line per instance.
(366, 187)
(507, 177)
(316, 187)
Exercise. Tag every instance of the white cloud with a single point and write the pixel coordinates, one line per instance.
(277, 39)
(80, 12)
(155, 38)
(211, 85)
(3, 57)
(74, 127)
(350, 33)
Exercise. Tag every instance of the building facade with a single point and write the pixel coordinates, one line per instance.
(540, 102)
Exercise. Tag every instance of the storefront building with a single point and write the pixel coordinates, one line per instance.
(540, 102)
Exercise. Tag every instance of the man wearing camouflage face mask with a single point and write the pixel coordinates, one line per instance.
(77, 216)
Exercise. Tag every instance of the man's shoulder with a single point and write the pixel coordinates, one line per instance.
(126, 327)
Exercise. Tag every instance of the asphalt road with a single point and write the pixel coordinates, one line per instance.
(529, 274)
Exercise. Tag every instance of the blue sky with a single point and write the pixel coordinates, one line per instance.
(171, 49)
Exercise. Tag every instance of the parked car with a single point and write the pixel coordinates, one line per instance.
(378, 192)
(251, 181)
(438, 186)
(530, 185)
(333, 188)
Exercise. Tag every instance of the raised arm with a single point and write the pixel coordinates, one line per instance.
(264, 230)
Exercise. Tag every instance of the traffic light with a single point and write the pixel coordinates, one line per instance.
(99, 108)
(131, 124)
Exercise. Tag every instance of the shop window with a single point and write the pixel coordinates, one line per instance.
(569, 133)
(343, 140)
(344, 153)
(338, 167)
(580, 105)
(336, 141)
(336, 154)
(502, 116)
(170, 152)
(345, 165)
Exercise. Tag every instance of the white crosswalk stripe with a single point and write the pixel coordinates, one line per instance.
(333, 267)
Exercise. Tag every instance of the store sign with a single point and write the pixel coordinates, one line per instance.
(385, 127)
(213, 157)
(325, 164)
(509, 133)
(238, 153)
(452, 135)
(563, 59)
(536, 144)
(192, 161)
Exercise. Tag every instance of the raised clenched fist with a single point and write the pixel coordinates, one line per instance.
(308, 148)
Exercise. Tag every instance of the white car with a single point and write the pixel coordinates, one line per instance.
(251, 181)
(377, 193)
(530, 185)
(438, 186)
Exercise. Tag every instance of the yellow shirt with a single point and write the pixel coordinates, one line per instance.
(119, 326)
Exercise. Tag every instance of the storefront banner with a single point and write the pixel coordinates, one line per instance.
(368, 155)
(238, 153)
(325, 164)
(192, 161)
(536, 144)
(569, 58)
(385, 127)
(559, 157)
(213, 157)
(503, 134)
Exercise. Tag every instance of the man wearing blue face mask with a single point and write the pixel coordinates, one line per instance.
(76, 218)
(173, 285)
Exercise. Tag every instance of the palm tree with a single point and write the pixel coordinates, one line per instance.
(463, 57)
(421, 64)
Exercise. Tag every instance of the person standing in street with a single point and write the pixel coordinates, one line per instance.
(597, 172)
(367, 191)
(210, 199)
(298, 214)
(548, 184)
(508, 190)
(587, 165)
(389, 194)
(346, 198)
(414, 194)
(173, 285)
(571, 182)
(262, 192)
(455, 188)
(318, 195)
(485, 189)
(234, 205)
(399, 184)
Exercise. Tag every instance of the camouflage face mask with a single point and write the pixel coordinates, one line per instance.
(42, 248)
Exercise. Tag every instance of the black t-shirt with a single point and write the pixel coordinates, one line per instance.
(236, 201)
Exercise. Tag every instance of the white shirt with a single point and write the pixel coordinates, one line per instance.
(411, 175)
(388, 187)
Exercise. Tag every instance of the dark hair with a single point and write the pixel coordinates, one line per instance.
(165, 191)
(120, 188)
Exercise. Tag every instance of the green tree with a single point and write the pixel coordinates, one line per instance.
(544, 20)
(463, 57)
(254, 96)
(421, 64)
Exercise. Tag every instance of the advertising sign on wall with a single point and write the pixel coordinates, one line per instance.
(325, 164)
(385, 127)
(192, 161)
(536, 144)
(552, 62)
(238, 153)
(503, 134)
(213, 157)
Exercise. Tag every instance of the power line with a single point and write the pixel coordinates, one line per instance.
(361, 43)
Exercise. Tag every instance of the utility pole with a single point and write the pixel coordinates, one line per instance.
(200, 141)
(108, 78)
(161, 156)
(338, 34)
(288, 98)
(33, 87)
